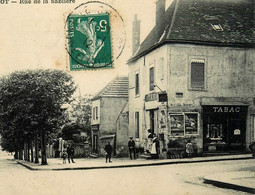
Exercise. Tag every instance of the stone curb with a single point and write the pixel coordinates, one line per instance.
(129, 165)
(227, 185)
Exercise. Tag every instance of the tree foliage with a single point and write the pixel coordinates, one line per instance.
(31, 104)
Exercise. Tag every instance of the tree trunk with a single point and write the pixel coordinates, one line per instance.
(28, 151)
(16, 155)
(32, 152)
(20, 154)
(25, 151)
(36, 148)
(43, 148)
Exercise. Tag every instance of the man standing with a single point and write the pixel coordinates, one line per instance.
(108, 150)
(131, 147)
(70, 153)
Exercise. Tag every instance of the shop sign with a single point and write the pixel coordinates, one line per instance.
(159, 97)
(233, 109)
(224, 109)
(95, 128)
(151, 97)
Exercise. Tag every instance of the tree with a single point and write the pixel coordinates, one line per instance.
(79, 115)
(31, 108)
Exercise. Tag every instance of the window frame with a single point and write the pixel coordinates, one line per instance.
(151, 88)
(184, 126)
(192, 60)
(137, 85)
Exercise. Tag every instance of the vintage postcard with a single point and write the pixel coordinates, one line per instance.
(141, 97)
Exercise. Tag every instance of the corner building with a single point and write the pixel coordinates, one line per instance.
(193, 77)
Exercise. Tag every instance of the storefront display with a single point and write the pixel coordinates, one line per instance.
(183, 124)
(224, 127)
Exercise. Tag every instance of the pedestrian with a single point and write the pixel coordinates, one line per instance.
(155, 148)
(64, 155)
(108, 150)
(252, 148)
(189, 149)
(70, 153)
(131, 147)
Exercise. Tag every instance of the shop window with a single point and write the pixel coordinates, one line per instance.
(183, 124)
(137, 124)
(191, 125)
(177, 124)
(137, 84)
(152, 78)
(197, 74)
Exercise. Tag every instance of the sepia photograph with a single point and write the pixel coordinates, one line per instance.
(131, 97)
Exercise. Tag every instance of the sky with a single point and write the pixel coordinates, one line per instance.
(32, 36)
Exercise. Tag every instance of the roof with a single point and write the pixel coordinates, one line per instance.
(191, 21)
(118, 88)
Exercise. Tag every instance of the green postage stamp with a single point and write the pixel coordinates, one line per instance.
(89, 41)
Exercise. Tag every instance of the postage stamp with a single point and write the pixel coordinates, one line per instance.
(95, 36)
(89, 41)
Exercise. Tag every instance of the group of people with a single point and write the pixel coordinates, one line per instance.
(154, 150)
(68, 153)
(131, 146)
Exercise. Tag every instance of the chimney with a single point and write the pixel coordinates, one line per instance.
(160, 11)
(136, 34)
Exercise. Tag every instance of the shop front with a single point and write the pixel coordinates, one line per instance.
(224, 128)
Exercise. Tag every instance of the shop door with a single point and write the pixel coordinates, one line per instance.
(236, 129)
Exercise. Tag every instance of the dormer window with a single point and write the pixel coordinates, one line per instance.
(217, 27)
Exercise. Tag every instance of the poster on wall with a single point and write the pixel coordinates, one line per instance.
(191, 126)
(176, 125)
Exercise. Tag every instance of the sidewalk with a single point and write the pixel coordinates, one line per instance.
(239, 180)
(55, 164)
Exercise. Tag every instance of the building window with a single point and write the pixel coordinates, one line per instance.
(197, 74)
(191, 125)
(137, 84)
(183, 124)
(152, 79)
(95, 113)
(177, 125)
(137, 124)
(217, 27)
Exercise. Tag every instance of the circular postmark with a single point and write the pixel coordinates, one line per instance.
(95, 36)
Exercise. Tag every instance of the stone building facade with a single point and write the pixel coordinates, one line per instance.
(107, 107)
(193, 77)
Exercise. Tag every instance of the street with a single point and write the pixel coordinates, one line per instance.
(165, 179)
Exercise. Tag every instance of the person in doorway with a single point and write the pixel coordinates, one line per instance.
(131, 147)
(108, 150)
(70, 153)
(189, 149)
(155, 148)
(64, 155)
(252, 148)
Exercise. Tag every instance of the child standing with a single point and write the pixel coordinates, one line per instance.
(64, 155)
(189, 149)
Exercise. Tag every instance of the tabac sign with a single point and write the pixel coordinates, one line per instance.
(224, 109)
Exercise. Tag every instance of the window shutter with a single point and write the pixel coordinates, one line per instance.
(197, 74)
(151, 78)
(137, 84)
